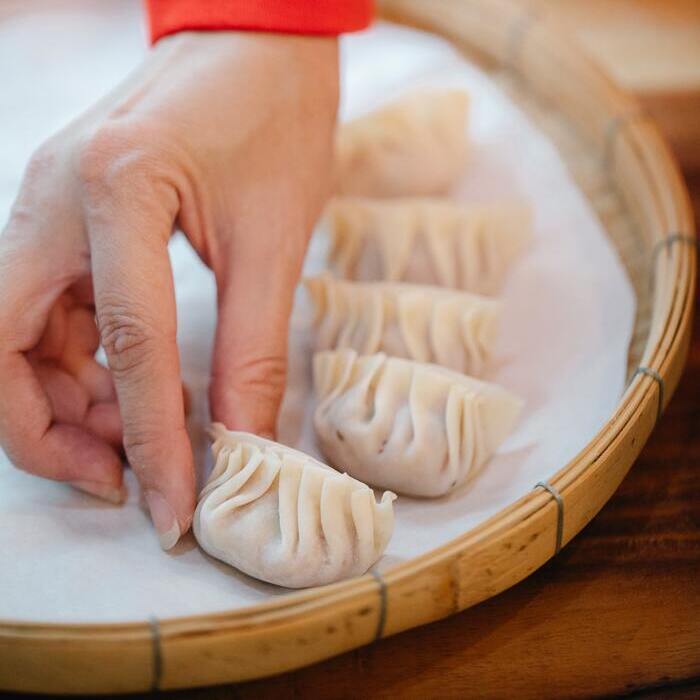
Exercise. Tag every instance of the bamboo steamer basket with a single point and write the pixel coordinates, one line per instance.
(625, 170)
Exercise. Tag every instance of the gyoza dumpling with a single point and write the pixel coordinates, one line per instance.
(426, 241)
(429, 324)
(416, 428)
(283, 517)
(414, 146)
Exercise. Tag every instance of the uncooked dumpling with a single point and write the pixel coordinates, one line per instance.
(414, 146)
(426, 241)
(283, 517)
(415, 428)
(450, 328)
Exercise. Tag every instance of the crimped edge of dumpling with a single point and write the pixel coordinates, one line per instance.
(219, 432)
(508, 406)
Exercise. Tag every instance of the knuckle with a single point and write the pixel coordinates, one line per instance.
(42, 162)
(127, 338)
(37, 193)
(263, 376)
(113, 157)
(142, 446)
(145, 445)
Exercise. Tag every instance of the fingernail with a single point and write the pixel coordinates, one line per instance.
(164, 519)
(107, 492)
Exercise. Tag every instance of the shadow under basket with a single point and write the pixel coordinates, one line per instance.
(624, 168)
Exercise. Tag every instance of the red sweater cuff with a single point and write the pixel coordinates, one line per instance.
(289, 16)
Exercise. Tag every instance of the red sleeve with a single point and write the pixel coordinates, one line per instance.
(289, 16)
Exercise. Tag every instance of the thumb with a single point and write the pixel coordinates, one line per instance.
(249, 367)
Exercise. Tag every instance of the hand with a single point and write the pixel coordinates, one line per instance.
(226, 135)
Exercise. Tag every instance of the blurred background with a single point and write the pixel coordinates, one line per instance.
(651, 47)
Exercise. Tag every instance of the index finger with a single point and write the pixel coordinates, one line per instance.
(135, 304)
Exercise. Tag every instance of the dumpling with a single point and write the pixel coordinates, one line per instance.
(426, 241)
(416, 428)
(414, 146)
(283, 517)
(429, 324)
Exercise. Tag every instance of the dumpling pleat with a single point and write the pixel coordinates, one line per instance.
(429, 429)
(451, 328)
(288, 521)
(469, 433)
(247, 485)
(224, 468)
(414, 313)
(383, 523)
(331, 375)
(415, 145)
(312, 543)
(362, 505)
(332, 319)
(440, 245)
(370, 387)
(336, 524)
(371, 336)
(284, 517)
(394, 252)
(454, 418)
(427, 241)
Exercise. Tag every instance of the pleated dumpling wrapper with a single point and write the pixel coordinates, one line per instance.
(416, 428)
(416, 145)
(447, 327)
(426, 241)
(283, 517)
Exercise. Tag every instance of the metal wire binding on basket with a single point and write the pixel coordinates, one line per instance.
(157, 668)
(381, 621)
(615, 126)
(560, 512)
(517, 34)
(650, 372)
(675, 237)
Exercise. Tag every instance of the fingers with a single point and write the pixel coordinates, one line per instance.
(129, 226)
(37, 443)
(68, 399)
(255, 295)
(103, 420)
(71, 339)
(250, 360)
(32, 316)
(53, 339)
(82, 341)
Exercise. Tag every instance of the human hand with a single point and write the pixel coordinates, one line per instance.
(226, 135)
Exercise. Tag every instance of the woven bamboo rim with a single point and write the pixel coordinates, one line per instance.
(625, 169)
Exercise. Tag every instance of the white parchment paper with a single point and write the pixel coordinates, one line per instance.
(569, 310)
